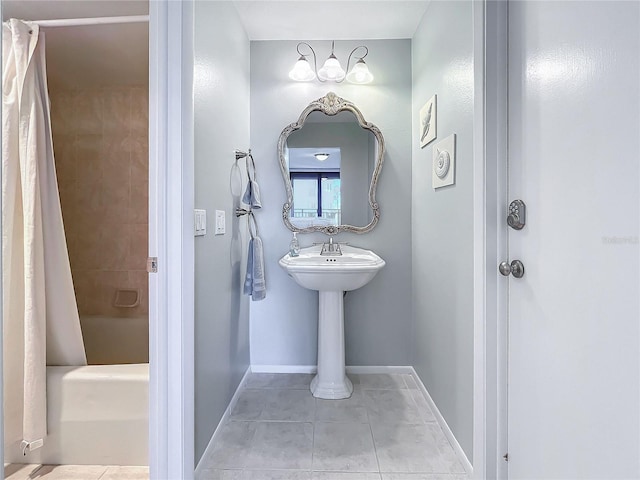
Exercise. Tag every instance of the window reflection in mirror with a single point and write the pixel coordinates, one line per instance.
(315, 179)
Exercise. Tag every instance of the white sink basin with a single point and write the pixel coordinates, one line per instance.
(353, 269)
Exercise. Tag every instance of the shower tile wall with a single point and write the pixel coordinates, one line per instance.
(100, 139)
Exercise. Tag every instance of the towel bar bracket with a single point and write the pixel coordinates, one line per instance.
(240, 154)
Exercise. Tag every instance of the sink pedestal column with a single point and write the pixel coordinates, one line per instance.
(331, 382)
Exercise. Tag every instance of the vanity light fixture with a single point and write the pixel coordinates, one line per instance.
(331, 71)
(321, 157)
(302, 71)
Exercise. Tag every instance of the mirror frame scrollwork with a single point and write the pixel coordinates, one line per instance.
(331, 105)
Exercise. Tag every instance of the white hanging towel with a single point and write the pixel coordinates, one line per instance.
(41, 324)
(254, 281)
(252, 193)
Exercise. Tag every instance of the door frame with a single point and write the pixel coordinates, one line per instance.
(172, 443)
(171, 73)
(490, 149)
(171, 201)
(1, 310)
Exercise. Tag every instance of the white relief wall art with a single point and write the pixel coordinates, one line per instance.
(444, 162)
(428, 119)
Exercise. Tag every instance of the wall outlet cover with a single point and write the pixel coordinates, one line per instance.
(428, 122)
(444, 162)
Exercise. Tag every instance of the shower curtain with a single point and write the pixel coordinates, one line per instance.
(40, 316)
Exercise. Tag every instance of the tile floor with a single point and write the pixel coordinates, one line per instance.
(17, 471)
(278, 431)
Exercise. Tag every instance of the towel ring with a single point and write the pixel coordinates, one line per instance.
(252, 225)
(253, 166)
(235, 179)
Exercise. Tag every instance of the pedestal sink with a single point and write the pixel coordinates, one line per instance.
(331, 276)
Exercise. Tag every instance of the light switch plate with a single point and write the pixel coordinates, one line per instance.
(200, 222)
(220, 222)
(444, 162)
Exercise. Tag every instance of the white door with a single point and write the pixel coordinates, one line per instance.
(574, 156)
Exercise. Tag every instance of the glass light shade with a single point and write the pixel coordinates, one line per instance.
(331, 70)
(302, 71)
(360, 73)
(321, 156)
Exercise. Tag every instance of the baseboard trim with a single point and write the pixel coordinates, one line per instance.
(397, 369)
(313, 369)
(283, 368)
(223, 420)
(443, 424)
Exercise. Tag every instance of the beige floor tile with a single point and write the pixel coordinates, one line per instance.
(18, 471)
(74, 472)
(70, 472)
(126, 473)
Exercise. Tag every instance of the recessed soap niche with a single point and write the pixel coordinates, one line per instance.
(444, 162)
(127, 298)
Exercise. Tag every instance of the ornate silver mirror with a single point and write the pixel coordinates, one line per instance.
(331, 159)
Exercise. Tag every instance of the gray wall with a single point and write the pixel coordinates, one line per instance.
(221, 97)
(442, 221)
(378, 316)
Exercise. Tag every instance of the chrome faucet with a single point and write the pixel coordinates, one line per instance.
(331, 248)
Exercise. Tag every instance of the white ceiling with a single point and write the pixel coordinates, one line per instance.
(118, 54)
(302, 159)
(330, 19)
(54, 9)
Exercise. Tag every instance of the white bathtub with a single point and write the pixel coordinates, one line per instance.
(96, 415)
(99, 414)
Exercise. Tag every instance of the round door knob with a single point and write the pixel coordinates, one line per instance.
(516, 268)
(505, 268)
